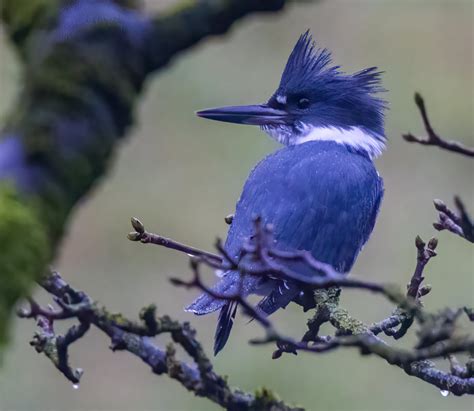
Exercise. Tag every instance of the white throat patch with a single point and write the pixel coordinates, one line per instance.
(354, 137)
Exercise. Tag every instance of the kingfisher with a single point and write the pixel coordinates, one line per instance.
(321, 191)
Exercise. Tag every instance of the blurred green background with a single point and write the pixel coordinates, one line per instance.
(181, 175)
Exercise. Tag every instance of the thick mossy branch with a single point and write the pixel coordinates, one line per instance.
(190, 21)
(24, 252)
(82, 81)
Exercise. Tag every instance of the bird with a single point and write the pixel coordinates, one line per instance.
(320, 192)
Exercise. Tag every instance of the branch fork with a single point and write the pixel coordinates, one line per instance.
(434, 139)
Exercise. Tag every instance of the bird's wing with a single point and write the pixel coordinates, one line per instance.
(319, 197)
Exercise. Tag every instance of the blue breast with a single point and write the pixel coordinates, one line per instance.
(320, 196)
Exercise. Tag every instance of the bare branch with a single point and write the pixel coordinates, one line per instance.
(424, 254)
(134, 337)
(141, 235)
(438, 334)
(459, 223)
(433, 139)
(55, 347)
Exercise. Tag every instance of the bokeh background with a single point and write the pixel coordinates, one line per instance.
(181, 175)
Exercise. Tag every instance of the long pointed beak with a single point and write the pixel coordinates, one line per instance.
(257, 115)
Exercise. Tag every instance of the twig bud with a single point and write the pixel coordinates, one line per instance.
(419, 100)
(409, 137)
(178, 282)
(276, 354)
(443, 217)
(134, 236)
(433, 243)
(137, 225)
(424, 289)
(420, 244)
(439, 204)
(23, 312)
(438, 226)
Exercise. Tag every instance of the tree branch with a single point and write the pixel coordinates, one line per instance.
(424, 254)
(433, 139)
(83, 80)
(134, 337)
(459, 223)
(438, 334)
(141, 235)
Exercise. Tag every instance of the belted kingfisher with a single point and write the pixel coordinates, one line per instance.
(321, 192)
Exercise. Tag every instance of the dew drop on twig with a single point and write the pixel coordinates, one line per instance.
(444, 393)
(75, 386)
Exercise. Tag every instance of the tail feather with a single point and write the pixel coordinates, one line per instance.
(224, 325)
(205, 304)
(280, 297)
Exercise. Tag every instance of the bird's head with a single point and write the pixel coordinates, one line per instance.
(317, 101)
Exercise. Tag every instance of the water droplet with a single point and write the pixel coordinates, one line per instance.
(444, 393)
(75, 386)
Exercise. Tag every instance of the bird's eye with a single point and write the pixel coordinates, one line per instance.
(303, 103)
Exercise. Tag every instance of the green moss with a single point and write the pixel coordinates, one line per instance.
(117, 319)
(25, 251)
(346, 324)
(327, 297)
(22, 16)
(265, 399)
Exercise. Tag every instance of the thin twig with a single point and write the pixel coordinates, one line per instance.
(459, 223)
(141, 235)
(424, 254)
(433, 139)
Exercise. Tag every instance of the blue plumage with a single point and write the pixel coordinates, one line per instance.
(319, 196)
(340, 99)
(321, 192)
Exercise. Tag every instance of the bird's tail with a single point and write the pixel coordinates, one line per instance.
(224, 325)
(205, 304)
(282, 294)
